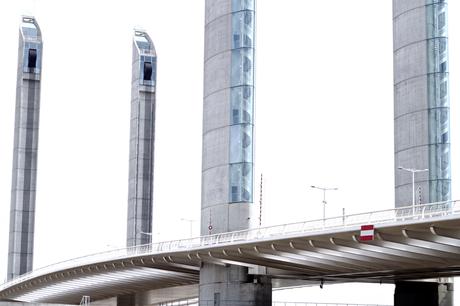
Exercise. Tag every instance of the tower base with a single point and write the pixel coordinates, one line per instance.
(233, 286)
(423, 293)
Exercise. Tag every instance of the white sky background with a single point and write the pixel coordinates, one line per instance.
(324, 110)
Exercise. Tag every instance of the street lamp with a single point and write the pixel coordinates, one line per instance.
(324, 189)
(413, 171)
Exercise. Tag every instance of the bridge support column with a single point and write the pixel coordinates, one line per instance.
(233, 286)
(126, 300)
(423, 293)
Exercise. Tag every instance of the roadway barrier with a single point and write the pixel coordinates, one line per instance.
(389, 216)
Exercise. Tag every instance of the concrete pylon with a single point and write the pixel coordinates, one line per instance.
(421, 119)
(24, 178)
(423, 293)
(142, 138)
(228, 164)
(421, 100)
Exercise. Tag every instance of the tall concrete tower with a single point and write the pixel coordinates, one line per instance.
(421, 100)
(142, 136)
(23, 187)
(227, 165)
(421, 119)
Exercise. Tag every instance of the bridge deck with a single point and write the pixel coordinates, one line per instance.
(408, 244)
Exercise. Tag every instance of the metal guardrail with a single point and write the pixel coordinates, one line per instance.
(183, 302)
(403, 214)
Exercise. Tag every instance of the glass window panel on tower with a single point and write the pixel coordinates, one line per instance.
(242, 104)
(142, 43)
(441, 21)
(242, 67)
(439, 123)
(29, 31)
(437, 55)
(438, 90)
(439, 161)
(147, 70)
(241, 143)
(440, 190)
(32, 58)
(239, 5)
(436, 20)
(28, 27)
(241, 182)
(243, 29)
(443, 90)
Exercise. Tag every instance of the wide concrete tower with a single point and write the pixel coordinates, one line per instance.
(142, 136)
(227, 165)
(421, 100)
(421, 119)
(23, 187)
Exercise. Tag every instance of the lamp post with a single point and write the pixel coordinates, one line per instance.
(413, 171)
(324, 189)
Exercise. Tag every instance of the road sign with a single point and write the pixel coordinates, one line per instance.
(367, 233)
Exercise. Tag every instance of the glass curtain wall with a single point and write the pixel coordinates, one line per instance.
(438, 97)
(242, 102)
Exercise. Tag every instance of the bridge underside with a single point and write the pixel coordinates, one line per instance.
(409, 251)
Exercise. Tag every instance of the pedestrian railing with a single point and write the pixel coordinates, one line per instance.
(396, 215)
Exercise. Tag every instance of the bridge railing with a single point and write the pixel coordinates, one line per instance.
(403, 214)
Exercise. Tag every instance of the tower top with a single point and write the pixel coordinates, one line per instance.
(29, 28)
(143, 42)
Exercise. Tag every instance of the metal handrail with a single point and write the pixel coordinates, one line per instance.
(402, 214)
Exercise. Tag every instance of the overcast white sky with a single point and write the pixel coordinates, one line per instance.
(324, 107)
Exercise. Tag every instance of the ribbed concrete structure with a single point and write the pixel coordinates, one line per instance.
(227, 166)
(421, 118)
(421, 100)
(227, 175)
(142, 137)
(405, 247)
(24, 181)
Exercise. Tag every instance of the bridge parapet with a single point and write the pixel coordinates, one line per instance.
(346, 222)
(420, 242)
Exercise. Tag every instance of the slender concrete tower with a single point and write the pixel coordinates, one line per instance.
(421, 118)
(142, 138)
(23, 187)
(227, 165)
(421, 100)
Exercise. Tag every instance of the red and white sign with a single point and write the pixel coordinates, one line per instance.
(367, 233)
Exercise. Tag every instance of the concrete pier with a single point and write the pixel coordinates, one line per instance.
(142, 139)
(25, 154)
(421, 101)
(228, 163)
(424, 293)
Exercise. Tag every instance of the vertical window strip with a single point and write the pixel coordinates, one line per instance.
(242, 102)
